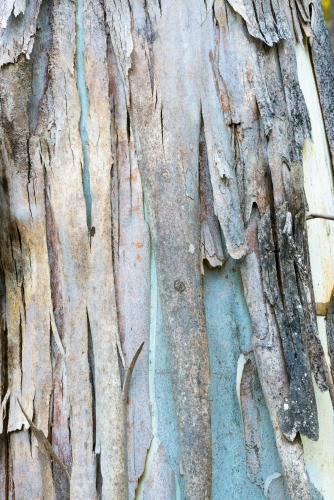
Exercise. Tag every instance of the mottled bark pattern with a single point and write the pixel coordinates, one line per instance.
(141, 141)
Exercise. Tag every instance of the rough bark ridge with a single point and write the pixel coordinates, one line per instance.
(137, 140)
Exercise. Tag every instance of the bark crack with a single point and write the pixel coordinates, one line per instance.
(84, 110)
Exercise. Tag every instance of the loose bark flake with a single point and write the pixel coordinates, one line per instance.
(18, 21)
(278, 259)
(212, 246)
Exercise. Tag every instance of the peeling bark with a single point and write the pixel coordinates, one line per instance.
(141, 141)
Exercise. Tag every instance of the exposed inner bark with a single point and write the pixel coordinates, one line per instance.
(137, 140)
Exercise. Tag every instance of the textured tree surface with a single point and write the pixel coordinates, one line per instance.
(159, 330)
(328, 7)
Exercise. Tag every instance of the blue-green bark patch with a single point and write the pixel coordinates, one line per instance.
(229, 332)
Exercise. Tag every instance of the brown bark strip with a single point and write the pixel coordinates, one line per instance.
(131, 254)
(168, 164)
(60, 410)
(68, 208)
(110, 440)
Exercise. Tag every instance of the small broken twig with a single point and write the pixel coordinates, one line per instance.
(319, 216)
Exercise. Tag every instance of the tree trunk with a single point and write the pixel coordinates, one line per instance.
(166, 189)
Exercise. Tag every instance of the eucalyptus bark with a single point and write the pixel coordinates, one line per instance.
(143, 142)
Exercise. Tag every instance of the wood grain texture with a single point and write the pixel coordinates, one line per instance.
(153, 160)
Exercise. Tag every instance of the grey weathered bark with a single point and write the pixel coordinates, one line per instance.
(142, 141)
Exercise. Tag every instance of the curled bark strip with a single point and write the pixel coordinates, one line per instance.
(267, 20)
(129, 371)
(212, 246)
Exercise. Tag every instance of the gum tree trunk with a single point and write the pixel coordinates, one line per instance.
(160, 327)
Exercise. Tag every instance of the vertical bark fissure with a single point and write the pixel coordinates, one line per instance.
(153, 448)
(170, 172)
(91, 363)
(84, 107)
